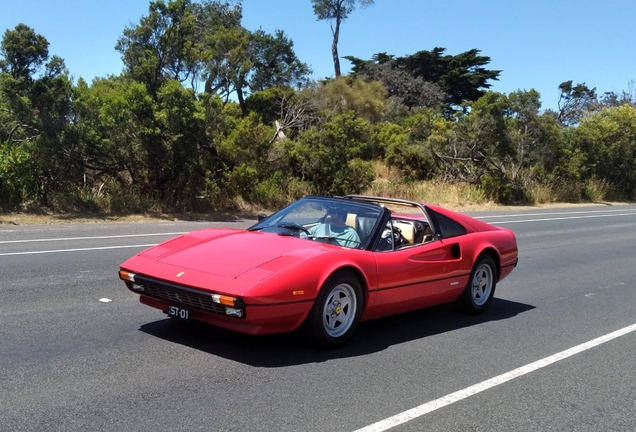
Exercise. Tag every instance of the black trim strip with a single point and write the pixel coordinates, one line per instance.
(514, 264)
(420, 283)
(281, 304)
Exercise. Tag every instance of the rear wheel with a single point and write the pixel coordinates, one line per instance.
(481, 286)
(337, 310)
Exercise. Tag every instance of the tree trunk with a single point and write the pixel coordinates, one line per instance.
(334, 46)
(241, 100)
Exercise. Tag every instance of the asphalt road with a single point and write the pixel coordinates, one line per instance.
(69, 362)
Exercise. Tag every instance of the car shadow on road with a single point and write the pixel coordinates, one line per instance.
(291, 349)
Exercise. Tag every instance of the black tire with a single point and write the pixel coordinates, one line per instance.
(480, 289)
(336, 311)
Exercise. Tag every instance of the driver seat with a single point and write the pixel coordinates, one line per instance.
(407, 229)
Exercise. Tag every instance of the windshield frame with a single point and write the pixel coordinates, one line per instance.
(270, 223)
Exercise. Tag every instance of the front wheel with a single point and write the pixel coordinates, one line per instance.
(481, 286)
(337, 310)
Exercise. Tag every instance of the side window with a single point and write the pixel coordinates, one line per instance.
(404, 234)
(396, 235)
(449, 227)
(386, 239)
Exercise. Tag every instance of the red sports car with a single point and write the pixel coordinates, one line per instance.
(325, 264)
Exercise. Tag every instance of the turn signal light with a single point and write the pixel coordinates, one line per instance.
(223, 299)
(126, 275)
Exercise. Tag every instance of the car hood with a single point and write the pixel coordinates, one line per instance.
(239, 263)
(229, 253)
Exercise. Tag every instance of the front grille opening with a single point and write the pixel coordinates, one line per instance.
(179, 295)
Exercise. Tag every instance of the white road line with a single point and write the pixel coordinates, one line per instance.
(554, 213)
(76, 250)
(92, 238)
(562, 218)
(436, 404)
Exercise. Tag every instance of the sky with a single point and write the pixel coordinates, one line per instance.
(536, 44)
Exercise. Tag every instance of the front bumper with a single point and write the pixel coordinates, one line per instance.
(222, 310)
(258, 320)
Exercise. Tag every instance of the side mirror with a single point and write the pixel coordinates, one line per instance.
(262, 217)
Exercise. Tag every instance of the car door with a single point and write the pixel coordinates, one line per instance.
(417, 276)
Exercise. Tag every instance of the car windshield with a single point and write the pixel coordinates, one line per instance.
(334, 221)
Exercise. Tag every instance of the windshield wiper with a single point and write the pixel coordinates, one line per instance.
(293, 225)
(357, 243)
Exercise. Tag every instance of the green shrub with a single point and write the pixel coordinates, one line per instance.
(496, 188)
(17, 183)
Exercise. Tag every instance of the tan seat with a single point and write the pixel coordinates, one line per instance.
(407, 229)
(351, 220)
(428, 235)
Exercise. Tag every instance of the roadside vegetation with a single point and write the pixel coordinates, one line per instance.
(210, 116)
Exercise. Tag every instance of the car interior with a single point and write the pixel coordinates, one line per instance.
(362, 224)
(414, 231)
(403, 233)
(402, 230)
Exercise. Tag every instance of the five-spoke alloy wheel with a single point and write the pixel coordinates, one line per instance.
(337, 310)
(481, 286)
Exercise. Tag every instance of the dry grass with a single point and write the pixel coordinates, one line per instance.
(597, 190)
(388, 183)
(459, 196)
(541, 194)
(449, 195)
(64, 218)
(593, 190)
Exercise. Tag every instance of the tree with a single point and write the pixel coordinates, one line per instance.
(463, 77)
(401, 85)
(626, 97)
(574, 102)
(170, 42)
(204, 42)
(476, 143)
(275, 62)
(338, 10)
(240, 62)
(535, 136)
(329, 156)
(162, 46)
(343, 95)
(406, 146)
(608, 141)
(228, 63)
(35, 110)
(23, 52)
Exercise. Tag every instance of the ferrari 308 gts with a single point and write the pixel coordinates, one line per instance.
(325, 264)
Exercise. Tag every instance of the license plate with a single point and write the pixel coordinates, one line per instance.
(177, 312)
